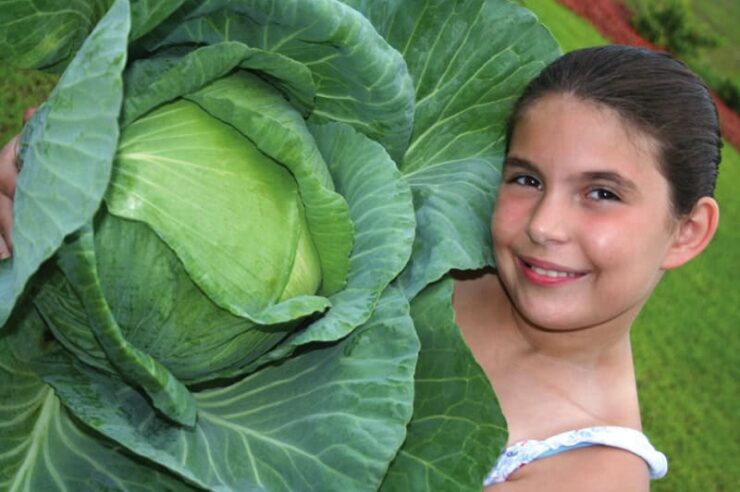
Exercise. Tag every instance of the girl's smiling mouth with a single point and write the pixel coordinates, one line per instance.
(546, 273)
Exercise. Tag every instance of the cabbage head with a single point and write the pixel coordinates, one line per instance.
(233, 229)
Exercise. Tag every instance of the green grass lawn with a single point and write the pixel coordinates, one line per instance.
(568, 28)
(19, 89)
(685, 340)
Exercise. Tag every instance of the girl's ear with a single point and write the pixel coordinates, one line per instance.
(694, 233)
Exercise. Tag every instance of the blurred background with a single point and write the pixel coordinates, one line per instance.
(686, 341)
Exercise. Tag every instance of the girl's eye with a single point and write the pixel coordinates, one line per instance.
(601, 194)
(526, 180)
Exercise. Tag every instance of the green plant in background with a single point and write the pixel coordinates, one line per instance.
(715, 21)
(670, 24)
(729, 92)
(726, 88)
(231, 232)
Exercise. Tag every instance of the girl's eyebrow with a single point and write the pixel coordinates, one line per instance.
(513, 161)
(616, 178)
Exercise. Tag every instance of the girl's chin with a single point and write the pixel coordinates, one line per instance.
(550, 318)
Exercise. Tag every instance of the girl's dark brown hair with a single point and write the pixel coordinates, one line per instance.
(655, 93)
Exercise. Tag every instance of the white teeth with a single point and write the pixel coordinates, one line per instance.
(551, 273)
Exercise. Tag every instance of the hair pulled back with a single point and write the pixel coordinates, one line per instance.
(654, 93)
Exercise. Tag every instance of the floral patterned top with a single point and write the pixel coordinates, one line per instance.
(523, 452)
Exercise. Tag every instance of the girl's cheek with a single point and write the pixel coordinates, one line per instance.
(510, 213)
(604, 246)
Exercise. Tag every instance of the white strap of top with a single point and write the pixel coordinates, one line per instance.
(523, 452)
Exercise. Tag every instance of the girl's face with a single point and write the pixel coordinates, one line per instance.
(582, 225)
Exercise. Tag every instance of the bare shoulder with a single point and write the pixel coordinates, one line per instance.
(599, 468)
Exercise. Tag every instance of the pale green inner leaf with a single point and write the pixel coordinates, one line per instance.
(278, 130)
(178, 163)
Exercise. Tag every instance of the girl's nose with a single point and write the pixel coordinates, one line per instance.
(548, 222)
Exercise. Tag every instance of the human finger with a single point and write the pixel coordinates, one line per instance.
(6, 224)
(9, 167)
(28, 113)
(4, 250)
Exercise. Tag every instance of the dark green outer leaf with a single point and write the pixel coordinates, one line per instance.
(360, 80)
(67, 150)
(43, 447)
(329, 419)
(45, 34)
(65, 316)
(382, 13)
(482, 54)
(469, 61)
(153, 81)
(453, 212)
(457, 430)
(147, 14)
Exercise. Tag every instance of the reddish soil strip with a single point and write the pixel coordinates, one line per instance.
(612, 19)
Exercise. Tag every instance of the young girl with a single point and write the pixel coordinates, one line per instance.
(608, 181)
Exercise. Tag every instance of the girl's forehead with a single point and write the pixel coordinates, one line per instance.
(582, 132)
(577, 108)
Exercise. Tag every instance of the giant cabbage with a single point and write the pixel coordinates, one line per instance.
(232, 232)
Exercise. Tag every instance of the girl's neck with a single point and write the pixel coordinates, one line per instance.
(589, 347)
(548, 381)
(487, 311)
